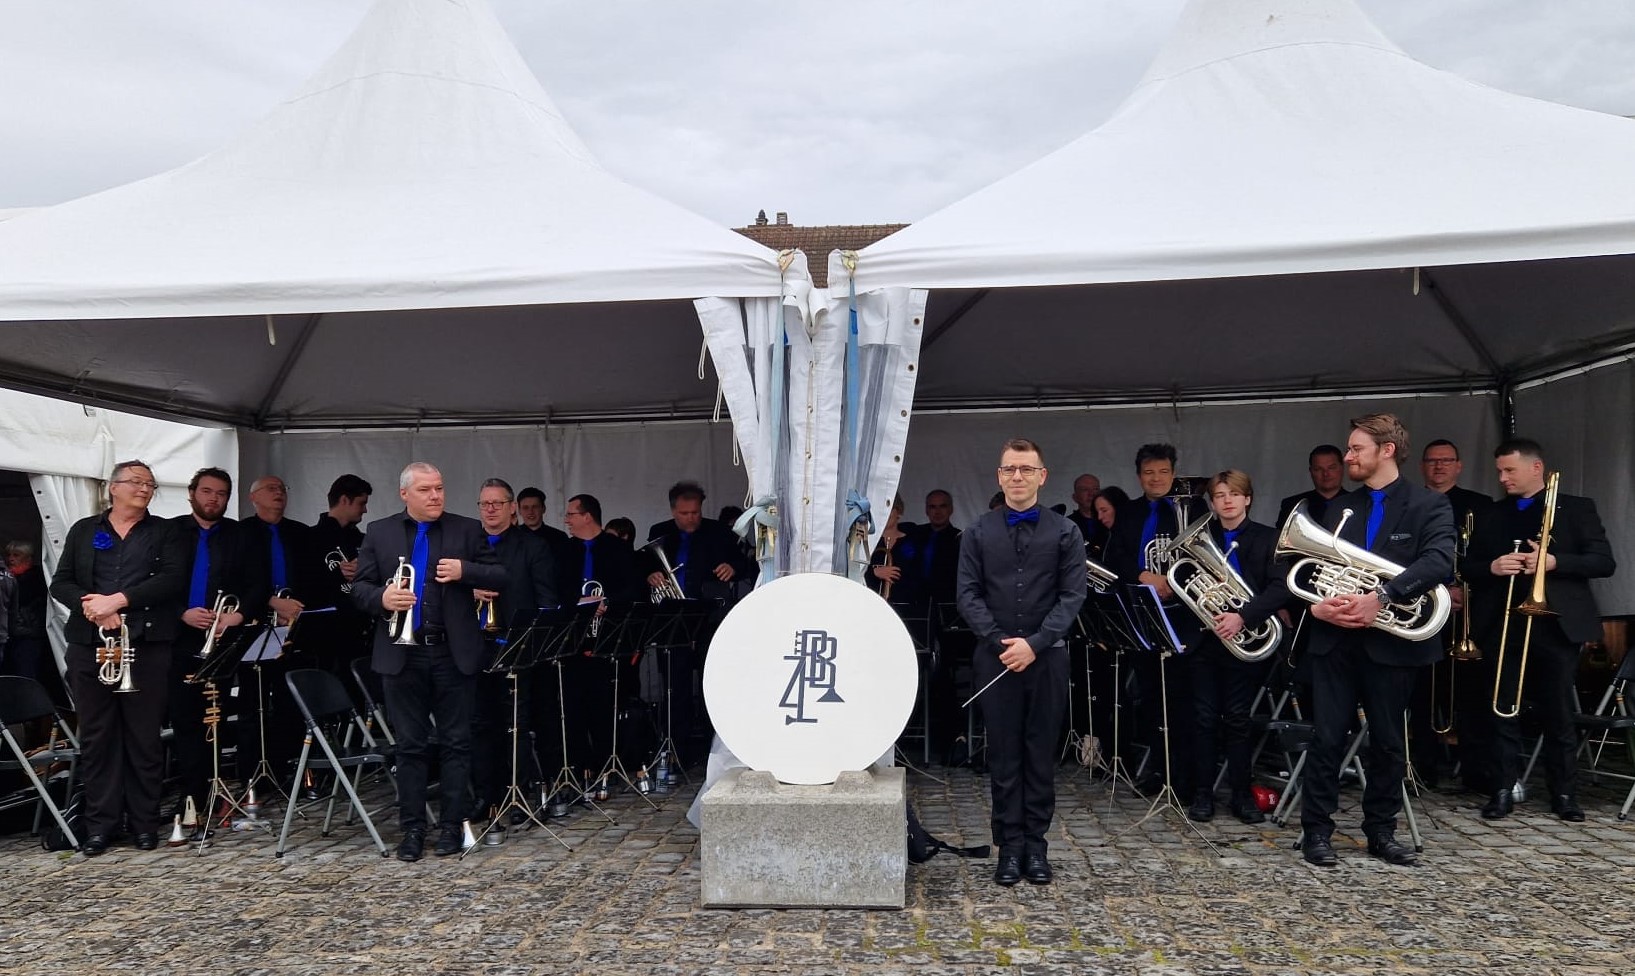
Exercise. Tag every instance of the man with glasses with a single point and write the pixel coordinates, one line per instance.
(530, 585)
(121, 570)
(1325, 464)
(933, 549)
(1021, 583)
(1440, 466)
(287, 546)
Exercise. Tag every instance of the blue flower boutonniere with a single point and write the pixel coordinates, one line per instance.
(102, 540)
(907, 549)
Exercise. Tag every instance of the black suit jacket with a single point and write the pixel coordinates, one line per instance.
(1123, 552)
(303, 564)
(450, 537)
(1417, 534)
(936, 579)
(1464, 500)
(235, 568)
(530, 572)
(709, 547)
(1316, 506)
(613, 564)
(155, 608)
(1577, 541)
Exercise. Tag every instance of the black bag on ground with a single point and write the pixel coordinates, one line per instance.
(923, 847)
(51, 835)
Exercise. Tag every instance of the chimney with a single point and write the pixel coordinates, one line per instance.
(760, 219)
(783, 219)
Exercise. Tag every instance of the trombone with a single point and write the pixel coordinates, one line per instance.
(1532, 608)
(1463, 647)
(401, 627)
(225, 604)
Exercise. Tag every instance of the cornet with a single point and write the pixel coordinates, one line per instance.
(1203, 578)
(115, 658)
(1532, 607)
(224, 605)
(401, 627)
(332, 562)
(670, 589)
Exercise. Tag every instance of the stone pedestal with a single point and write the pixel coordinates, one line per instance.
(767, 844)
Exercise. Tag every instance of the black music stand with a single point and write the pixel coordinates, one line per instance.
(563, 632)
(530, 640)
(224, 660)
(1105, 622)
(268, 645)
(622, 633)
(946, 622)
(671, 624)
(1147, 612)
(917, 620)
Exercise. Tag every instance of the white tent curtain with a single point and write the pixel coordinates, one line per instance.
(878, 395)
(62, 500)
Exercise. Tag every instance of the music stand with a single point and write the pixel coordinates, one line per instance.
(1147, 611)
(564, 631)
(671, 624)
(946, 622)
(524, 645)
(267, 645)
(917, 620)
(1105, 622)
(623, 628)
(224, 660)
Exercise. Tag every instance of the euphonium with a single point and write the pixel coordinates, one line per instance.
(1532, 607)
(670, 589)
(115, 658)
(1158, 555)
(1097, 576)
(1340, 568)
(401, 627)
(225, 604)
(1203, 578)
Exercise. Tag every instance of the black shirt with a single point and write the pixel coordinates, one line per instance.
(1024, 580)
(147, 565)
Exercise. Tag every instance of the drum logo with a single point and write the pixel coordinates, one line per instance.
(814, 657)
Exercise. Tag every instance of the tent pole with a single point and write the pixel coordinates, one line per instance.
(285, 369)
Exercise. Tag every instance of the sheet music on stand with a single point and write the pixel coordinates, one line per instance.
(539, 636)
(676, 623)
(1104, 621)
(232, 649)
(1153, 625)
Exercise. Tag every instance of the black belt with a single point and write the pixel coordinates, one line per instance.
(431, 638)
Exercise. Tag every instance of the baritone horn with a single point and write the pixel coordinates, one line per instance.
(1532, 608)
(1340, 568)
(670, 589)
(115, 658)
(1203, 578)
(401, 627)
(1097, 576)
(1159, 553)
(225, 604)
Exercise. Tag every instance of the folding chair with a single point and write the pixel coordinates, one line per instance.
(323, 702)
(1614, 713)
(24, 700)
(374, 697)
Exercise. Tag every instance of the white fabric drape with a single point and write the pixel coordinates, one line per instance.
(62, 500)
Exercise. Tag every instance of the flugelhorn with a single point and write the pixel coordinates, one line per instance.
(225, 604)
(486, 617)
(1203, 578)
(116, 657)
(1532, 607)
(401, 627)
(670, 589)
(1340, 568)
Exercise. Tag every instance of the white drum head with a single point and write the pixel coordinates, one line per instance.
(809, 676)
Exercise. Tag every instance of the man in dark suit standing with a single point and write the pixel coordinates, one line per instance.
(346, 634)
(933, 549)
(1578, 552)
(437, 675)
(1440, 466)
(1356, 663)
(593, 556)
(1325, 465)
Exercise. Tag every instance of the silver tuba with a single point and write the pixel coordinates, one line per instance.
(1203, 579)
(1098, 577)
(1341, 568)
(670, 589)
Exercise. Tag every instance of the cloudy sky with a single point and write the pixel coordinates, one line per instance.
(841, 112)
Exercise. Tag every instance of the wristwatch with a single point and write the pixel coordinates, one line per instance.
(1383, 594)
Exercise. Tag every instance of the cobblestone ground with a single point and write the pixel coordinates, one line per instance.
(1530, 894)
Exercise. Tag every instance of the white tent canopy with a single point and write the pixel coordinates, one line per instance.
(1272, 189)
(415, 236)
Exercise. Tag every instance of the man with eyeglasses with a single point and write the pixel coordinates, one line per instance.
(530, 585)
(287, 546)
(1326, 466)
(121, 571)
(1440, 465)
(1021, 583)
(933, 549)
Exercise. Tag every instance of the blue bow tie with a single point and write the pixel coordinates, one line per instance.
(1013, 517)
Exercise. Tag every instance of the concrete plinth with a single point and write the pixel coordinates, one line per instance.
(767, 844)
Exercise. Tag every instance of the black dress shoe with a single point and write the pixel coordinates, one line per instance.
(1008, 871)
(1386, 848)
(95, 844)
(1202, 809)
(147, 841)
(1499, 805)
(448, 840)
(1246, 809)
(1318, 851)
(412, 847)
(1036, 868)
(1566, 807)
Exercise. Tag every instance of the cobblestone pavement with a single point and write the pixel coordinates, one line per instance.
(1530, 894)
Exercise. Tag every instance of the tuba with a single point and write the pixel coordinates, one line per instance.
(670, 589)
(1341, 568)
(1203, 579)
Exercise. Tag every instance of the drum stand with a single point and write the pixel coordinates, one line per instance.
(514, 799)
(1167, 801)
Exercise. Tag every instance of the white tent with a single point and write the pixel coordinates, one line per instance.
(1289, 205)
(415, 237)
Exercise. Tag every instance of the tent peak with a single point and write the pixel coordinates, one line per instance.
(1209, 31)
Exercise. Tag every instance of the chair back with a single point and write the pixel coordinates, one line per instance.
(24, 700)
(369, 684)
(319, 695)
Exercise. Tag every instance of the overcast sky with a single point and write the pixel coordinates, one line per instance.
(837, 112)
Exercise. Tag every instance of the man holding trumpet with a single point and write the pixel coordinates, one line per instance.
(1503, 563)
(416, 573)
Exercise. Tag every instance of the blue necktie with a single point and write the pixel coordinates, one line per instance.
(1231, 536)
(930, 550)
(280, 573)
(198, 595)
(1149, 529)
(682, 552)
(1013, 517)
(1376, 514)
(590, 562)
(418, 557)
(1523, 504)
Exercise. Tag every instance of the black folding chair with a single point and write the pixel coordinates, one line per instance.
(325, 705)
(24, 700)
(374, 697)
(1614, 714)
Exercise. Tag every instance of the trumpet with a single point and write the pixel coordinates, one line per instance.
(1203, 578)
(1097, 576)
(1531, 608)
(401, 627)
(225, 604)
(1340, 568)
(670, 589)
(115, 658)
(332, 562)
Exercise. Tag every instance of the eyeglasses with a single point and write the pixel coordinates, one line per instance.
(1439, 462)
(492, 505)
(1012, 470)
(139, 485)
